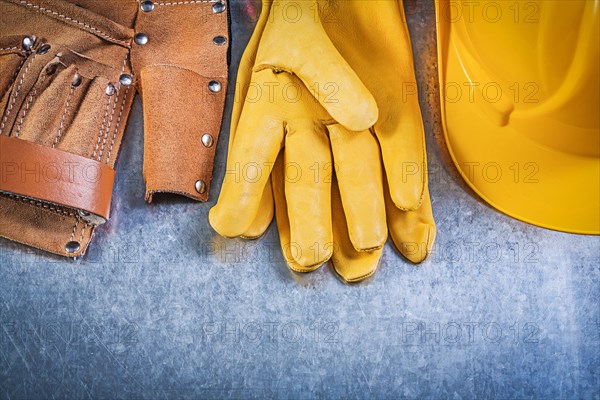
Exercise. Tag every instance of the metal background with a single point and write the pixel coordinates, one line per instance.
(161, 307)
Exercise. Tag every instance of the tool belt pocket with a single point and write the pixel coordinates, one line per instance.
(65, 94)
(11, 59)
(58, 128)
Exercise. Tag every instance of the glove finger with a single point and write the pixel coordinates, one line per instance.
(400, 130)
(244, 71)
(243, 80)
(359, 176)
(413, 232)
(259, 138)
(308, 191)
(301, 46)
(402, 141)
(264, 215)
(387, 69)
(349, 264)
(290, 251)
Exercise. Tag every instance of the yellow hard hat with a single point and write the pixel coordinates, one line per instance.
(520, 98)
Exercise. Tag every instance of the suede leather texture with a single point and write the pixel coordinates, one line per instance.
(174, 156)
(69, 97)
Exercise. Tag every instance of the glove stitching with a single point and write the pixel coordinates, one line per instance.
(110, 121)
(101, 127)
(310, 268)
(427, 244)
(117, 127)
(275, 69)
(14, 99)
(94, 29)
(360, 278)
(62, 118)
(424, 164)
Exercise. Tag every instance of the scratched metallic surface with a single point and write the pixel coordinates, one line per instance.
(162, 308)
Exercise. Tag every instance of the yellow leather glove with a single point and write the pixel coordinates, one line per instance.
(351, 226)
(350, 264)
(286, 48)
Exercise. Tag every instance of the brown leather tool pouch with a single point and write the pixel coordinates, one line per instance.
(69, 70)
(182, 72)
(63, 113)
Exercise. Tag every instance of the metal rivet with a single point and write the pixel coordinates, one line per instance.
(218, 8)
(72, 247)
(219, 40)
(44, 49)
(200, 186)
(207, 140)
(214, 86)
(76, 80)
(110, 89)
(141, 38)
(147, 6)
(28, 42)
(126, 80)
(51, 69)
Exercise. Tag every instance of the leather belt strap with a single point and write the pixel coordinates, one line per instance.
(38, 172)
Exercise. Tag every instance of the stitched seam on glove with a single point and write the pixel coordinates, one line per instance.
(275, 69)
(358, 279)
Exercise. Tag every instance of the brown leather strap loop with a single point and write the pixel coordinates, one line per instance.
(30, 170)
